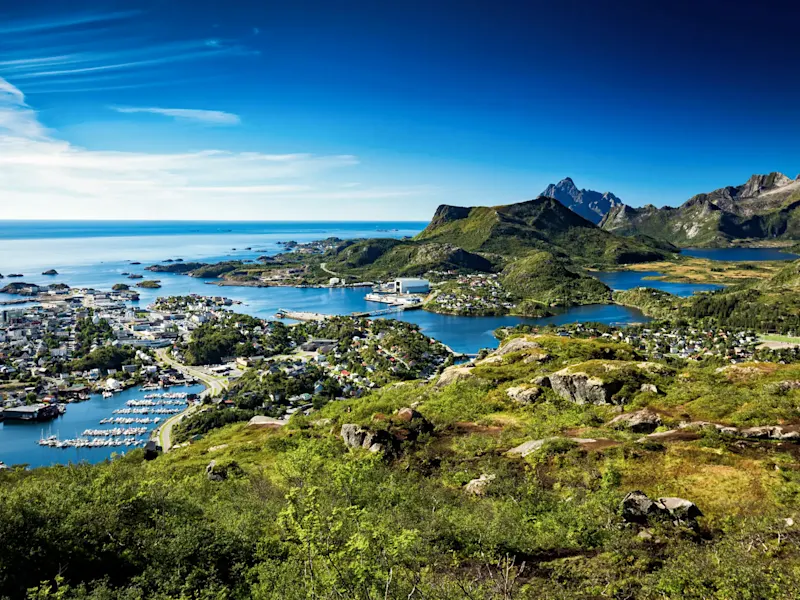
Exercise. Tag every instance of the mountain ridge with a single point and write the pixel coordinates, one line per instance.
(541, 223)
(589, 204)
(764, 207)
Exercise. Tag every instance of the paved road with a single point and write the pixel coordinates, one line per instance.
(325, 268)
(214, 386)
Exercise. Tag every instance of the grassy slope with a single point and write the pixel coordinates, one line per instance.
(543, 278)
(303, 516)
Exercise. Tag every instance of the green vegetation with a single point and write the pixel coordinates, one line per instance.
(293, 513)
(176, 267)
(542, 278)
(213, 341)
(105, 357)
(375, 258)
(89, 333)
(541, 224)
(120, 287)
(213, 271)
(769, 305)
(152, 284)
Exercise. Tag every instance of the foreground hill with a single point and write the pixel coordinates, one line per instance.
(540, 224)
(766, 207)
(533, 474)
(591, 205)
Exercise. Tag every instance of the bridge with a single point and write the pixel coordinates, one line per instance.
(395, 308)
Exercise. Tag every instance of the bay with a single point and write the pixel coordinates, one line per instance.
(626, 280)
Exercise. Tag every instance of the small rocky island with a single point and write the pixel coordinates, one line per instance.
(50, 272)
(151, 284)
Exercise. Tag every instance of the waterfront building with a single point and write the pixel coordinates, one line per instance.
(410, 285)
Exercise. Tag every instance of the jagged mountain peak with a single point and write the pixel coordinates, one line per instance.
(589, 204)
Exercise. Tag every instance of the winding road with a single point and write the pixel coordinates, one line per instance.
(214, 386)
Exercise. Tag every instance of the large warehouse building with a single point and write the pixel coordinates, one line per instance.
(411, 285)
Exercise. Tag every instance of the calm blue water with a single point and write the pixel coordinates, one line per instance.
(739, 254)
(625, 280)
(18, 441)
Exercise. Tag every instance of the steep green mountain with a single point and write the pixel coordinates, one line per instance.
(543, 278)
(379, 257)
(765, 207)
(541, 224)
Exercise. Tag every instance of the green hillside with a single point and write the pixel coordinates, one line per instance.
(377, 258)
(543, 278)
(451, 504)
(540, 224)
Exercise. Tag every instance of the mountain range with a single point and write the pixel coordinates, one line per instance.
(765, 207)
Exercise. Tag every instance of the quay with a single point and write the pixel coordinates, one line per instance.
(301, 316)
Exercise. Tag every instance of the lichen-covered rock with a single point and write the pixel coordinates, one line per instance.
(408, 414)
(637, 507)
(355, 436)
(641, 421)
(681, 510)
(581, 388)
(532, 446)
(543, 381)
(515, 345)
(221, 472)
(454, 374)
(477, 487)
(648, 388)
(536, 356)
(524, 394)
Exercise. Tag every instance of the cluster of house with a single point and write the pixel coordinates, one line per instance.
(473, 294)
(690, 342)
(38, 343)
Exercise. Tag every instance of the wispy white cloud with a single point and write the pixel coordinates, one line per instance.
(98, 52)
(212, 117)
(47, 177)
(67, 21)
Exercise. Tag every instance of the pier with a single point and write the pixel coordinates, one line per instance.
(301, 316)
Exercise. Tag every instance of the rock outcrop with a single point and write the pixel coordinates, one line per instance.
(641, 421)
(532, 446)
(581, 388)
(638, 508)
(524, 394)
(220, 472)
(477, 487)
(376, 442)
(454, 374)
(516, 345)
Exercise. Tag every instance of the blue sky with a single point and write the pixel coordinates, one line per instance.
(383, 110)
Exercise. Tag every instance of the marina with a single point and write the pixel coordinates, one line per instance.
(93, 430)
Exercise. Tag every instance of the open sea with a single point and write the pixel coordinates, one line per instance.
(97, 253)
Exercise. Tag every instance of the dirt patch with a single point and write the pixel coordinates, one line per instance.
(470, 427)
